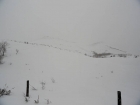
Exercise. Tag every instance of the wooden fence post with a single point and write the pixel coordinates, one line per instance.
(119, 98)
(27, 89)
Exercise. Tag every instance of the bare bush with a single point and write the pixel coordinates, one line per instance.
(5, 91)
(48, 101)
(37, 101)
(3, 46)
(43, 85)
(122, 55)
(100, 55)
(26, 98)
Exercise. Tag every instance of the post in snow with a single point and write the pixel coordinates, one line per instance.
(27, 89)
(119, 98)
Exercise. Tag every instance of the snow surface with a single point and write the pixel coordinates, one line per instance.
(78, 79)
(61, 36)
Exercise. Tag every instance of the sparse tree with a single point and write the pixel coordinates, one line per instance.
(3, 46)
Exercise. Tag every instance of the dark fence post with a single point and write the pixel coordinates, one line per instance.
(119, 98)
(27, 89)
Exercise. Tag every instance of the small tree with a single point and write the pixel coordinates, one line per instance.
(3, 46)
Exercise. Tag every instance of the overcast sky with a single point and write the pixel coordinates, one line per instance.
(114, 22)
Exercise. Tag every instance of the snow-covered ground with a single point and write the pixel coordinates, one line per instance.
(70, 78)
(56, 40)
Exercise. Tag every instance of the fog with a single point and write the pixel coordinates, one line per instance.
(113, 22)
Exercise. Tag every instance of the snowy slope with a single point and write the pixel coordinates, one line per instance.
(75, 47)
(56, 40)
(78, 79)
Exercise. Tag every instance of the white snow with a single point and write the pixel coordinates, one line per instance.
(56, 40)
(79, 79)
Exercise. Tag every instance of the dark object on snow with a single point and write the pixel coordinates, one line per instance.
(2, 92)
(119, 98)
(27, 89)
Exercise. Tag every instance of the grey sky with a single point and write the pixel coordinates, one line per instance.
(114, 22)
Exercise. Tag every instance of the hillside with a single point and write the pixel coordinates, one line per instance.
(96, 50)
(70, 78)
(73, 52)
